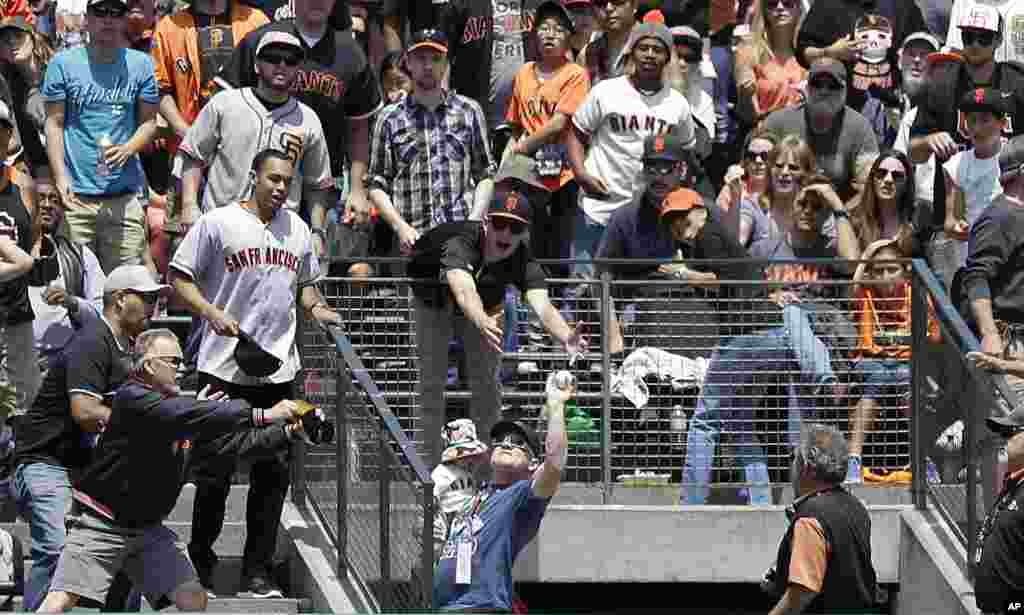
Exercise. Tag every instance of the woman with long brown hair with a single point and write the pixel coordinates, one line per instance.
(771, 215)
(25, 54)
(886, 207)
(746, 181)
(768, 76)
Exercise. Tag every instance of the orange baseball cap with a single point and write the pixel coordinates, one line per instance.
(680, 200)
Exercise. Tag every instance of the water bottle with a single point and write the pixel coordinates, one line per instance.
(102, 167)
(677, 425)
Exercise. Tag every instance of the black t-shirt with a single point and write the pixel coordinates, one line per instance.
(278, 10)
(459, 245)
(92, 364)
(335, 80)
(16, 223)
(938, 113)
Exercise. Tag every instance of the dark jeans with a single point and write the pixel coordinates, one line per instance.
(212, 468)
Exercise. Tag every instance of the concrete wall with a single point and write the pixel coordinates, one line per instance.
(931, 563)
(695, 544)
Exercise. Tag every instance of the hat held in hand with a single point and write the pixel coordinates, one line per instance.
(253, 359)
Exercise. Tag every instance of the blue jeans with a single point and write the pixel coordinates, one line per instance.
(42, 493)
(729, 399)
(883, 378)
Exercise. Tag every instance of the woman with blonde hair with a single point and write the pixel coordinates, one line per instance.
(768, 75)
(770, 215)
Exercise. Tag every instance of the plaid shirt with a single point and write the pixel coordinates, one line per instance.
(429, 162)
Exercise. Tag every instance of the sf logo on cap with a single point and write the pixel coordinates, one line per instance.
(979, 96)
(659, 144)
(977, 19)
(512, 202)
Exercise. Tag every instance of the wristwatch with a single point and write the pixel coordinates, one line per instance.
(841, 213)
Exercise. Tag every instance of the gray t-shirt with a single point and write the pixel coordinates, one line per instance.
(842, 153)
(507, 55)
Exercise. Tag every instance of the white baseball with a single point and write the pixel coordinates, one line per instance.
(564, 379)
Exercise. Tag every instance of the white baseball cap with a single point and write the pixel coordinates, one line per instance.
(132, 277)
(924, 37)
(276, 37)
(982, 17)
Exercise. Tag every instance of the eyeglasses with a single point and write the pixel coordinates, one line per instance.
(788, 4)
(501, 223)
(109, 11)
(826, 84)
(756, 156)
(514, 441)
(659, 168)
(279, 58)
(173, 360)
(897, 175)
(549, 31)
(981, 39)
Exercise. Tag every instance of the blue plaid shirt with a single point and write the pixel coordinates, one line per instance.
(429, 162)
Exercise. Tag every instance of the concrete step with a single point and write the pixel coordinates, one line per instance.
(264, 606)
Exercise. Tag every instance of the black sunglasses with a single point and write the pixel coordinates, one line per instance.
(826, 84)
(107, 11)
(897, 175)
(753, 156)
(659, 167)
(429, 36)
(982, 39)
(271, 57)
(501, 223)
(514, 441)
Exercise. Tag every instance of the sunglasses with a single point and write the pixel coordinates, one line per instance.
(277, 59)
(826, 84)
(513, 441)
(659, 168)
(981, 39)
(897, 175)
(147, 298)
(107, 11)
(788, 4)
(755, 156)
(501, 223)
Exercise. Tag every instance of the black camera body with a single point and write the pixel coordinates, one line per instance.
(318, 429)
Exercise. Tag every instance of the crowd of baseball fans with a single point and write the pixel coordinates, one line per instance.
(220, 157)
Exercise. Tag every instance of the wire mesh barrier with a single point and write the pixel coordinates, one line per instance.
(703, 393)
(372, 491)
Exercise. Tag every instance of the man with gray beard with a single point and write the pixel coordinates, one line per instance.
(913, 72)
(842, 140)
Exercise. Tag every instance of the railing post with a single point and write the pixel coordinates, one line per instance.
(919, 341)
(971, 449)
(427, 557)
(341, 386)
(606, 388)
(384, 476)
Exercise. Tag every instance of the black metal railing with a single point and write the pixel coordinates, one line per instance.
(372, 492)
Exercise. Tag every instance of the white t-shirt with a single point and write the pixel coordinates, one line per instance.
(1012, 47)
(924, 173)
(977, 178)
(618, 118)
(704, 112)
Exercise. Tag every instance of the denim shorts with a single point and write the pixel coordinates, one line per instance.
(883, 379)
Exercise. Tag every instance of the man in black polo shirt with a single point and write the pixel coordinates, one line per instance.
(337, 82)
(55, 438)
(824, 561)
(940, 128)
(474, 262)
(999, 562)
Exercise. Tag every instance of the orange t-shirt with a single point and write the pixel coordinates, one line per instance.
(534, 102)
(779, 85)
(878, 317)
(176, 57)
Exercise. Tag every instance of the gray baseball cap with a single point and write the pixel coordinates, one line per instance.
(133, 277)
(650, 29)
(521, 168)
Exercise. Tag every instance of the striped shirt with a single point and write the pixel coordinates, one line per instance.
(429, 162)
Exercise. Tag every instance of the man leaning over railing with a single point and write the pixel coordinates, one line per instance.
(474, 573)
(989, 289)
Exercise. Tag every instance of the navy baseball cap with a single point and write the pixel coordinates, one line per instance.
(503, 427)
(552, 7)
(253, 359)
(512, 204)
(663, 147)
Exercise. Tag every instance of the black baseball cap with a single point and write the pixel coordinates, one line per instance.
(985, 99)
(551, 7)
(663, 147)
(253, 359)
(521, 428)
(511, 204)
(1008, 425)
(430, 38)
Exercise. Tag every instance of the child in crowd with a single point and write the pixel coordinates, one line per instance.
(454, 481)
(884, 340)
(393, 79)
(972, 176)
